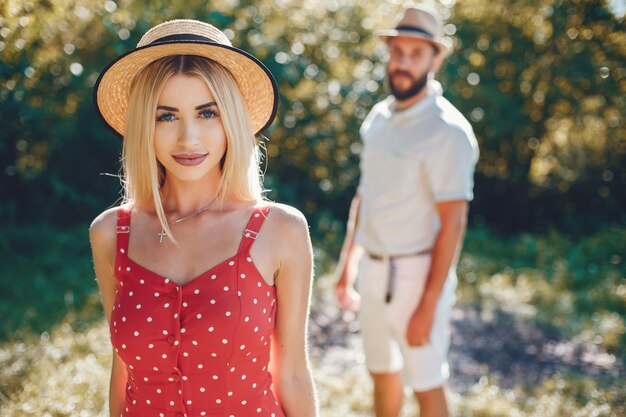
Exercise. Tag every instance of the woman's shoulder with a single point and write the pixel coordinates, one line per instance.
(287, 236)
(103, 228)
(286, 218)
(287, 221)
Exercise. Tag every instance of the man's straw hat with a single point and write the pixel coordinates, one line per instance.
(419, 22)
(186, 37)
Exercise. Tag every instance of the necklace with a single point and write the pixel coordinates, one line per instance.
(162, 233)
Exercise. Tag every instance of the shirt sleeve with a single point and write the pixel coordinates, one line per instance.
(449, 168)
(363, 135)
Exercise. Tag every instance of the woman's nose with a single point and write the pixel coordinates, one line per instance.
(190, 134)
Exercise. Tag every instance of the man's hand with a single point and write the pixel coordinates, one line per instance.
(421, 324)
(347, 297)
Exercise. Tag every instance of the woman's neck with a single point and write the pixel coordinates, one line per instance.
(184, 197)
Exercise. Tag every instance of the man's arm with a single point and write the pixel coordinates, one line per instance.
(350, 251)
(453, 218)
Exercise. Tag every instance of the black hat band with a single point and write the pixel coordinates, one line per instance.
(414, 29)
(182, 37)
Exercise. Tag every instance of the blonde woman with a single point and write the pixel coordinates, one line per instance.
(201, 278)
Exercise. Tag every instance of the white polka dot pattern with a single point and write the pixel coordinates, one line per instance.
(202, 352)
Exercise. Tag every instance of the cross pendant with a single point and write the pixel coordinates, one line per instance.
(161, 234)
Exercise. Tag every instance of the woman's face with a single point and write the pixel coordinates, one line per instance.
(189, 137)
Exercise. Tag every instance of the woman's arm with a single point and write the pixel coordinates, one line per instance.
(117, 388)
(102, 234)
(289, 365)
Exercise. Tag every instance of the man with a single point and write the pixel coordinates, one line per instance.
(407, 221)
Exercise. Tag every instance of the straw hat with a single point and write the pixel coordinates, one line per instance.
(186, 37)
(419, 22)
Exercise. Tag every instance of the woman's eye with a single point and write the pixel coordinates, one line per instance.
(208, 114)
(166, 117)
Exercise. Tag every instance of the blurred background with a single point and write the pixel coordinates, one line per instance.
(543, 275)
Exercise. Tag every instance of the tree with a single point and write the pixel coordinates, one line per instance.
(541, 81)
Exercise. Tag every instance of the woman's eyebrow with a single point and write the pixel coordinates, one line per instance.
(209, 104)
(202, 106)
(167, 108)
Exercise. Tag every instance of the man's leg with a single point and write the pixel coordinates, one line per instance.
(432, 403)
(383, 357)
(387, 394)
(426, 366)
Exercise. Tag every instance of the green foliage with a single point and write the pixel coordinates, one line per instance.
(542, 81)
(46, 275)
(578, 286)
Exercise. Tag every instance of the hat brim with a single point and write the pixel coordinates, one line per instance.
(385, 35)
(257, 85)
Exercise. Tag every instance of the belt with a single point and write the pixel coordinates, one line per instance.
(392, 269)
(377, 257)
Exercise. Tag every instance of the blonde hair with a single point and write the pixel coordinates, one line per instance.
(143, 174)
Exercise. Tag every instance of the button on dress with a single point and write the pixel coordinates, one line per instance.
(197, 349)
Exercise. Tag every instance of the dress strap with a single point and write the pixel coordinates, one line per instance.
(254, 226)
(123, 234)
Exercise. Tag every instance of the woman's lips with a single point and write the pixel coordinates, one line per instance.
(190, 159)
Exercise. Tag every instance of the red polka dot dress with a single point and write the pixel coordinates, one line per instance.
(198, 349)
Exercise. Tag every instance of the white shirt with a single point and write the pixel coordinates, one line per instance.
(411, 160)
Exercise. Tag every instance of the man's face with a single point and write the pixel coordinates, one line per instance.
(410, 61)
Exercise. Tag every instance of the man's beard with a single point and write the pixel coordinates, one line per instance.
(417, 86)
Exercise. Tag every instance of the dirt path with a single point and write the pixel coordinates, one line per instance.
(512, 351)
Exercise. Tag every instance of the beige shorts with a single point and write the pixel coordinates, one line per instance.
(383, 325)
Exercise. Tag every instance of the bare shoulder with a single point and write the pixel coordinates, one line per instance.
(289, 245)
(287, 220)
(289, 231)
(102, 230)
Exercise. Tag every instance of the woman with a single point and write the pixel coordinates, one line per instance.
(200, 277)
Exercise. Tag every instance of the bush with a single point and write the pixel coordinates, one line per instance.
(47, 274)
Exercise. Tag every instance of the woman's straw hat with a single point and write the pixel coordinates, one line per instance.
(419, 22)
(186, 37)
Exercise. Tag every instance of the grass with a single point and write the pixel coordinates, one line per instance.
(65, 373)
(55, 353)
(578, 286)
(572, 396)
(62, 373)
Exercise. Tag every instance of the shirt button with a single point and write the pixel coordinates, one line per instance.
(175, 377)
(171, 339)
